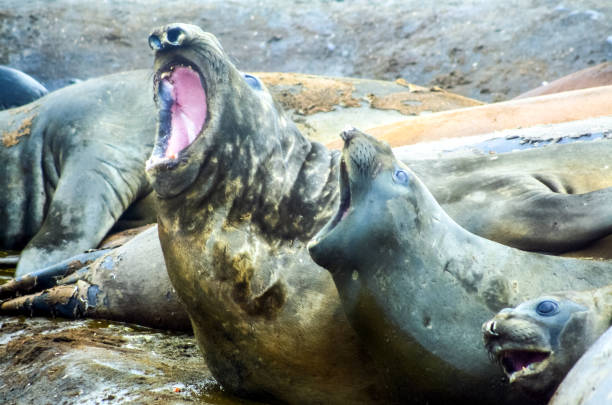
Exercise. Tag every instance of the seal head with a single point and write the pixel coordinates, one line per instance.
(537, 342)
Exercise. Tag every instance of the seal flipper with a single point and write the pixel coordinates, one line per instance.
(127, 284)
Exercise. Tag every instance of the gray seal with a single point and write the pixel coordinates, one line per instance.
(538, 342)
(72, 166)
(417, 287)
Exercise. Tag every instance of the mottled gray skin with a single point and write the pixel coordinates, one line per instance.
(589, 382)
(417, 287)
(236, 209)
(17, 88)
(72, 164)
(559, 337)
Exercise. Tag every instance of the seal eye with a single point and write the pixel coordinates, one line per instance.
(401, 177)
(155, 42)
(252, 81)
(547, 308)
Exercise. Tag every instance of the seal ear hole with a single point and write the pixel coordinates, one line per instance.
(547, 308)
(154, 42)
(401, 177)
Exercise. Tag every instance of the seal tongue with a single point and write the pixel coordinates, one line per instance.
(188, 110)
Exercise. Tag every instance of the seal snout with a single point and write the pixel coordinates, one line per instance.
(171, 36)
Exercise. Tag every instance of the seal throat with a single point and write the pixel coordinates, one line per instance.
(521, 361)
(183, 108)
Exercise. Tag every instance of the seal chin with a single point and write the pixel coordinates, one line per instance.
(182, 102)
(523, 364)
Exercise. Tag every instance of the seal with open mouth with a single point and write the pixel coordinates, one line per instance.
(538, 342)
(240, 192)
(417, 287)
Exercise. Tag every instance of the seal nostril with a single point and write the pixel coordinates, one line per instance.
(175, 35)
(154, 42)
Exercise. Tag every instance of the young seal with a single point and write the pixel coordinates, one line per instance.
(417, 287)
(538, 342)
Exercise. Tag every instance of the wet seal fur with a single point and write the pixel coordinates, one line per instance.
(417, 287)
(233, 224)
(538, 342)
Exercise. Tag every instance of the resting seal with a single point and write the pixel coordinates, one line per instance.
(538, 342)
(73, 164)
(417, 287)
(17, 88)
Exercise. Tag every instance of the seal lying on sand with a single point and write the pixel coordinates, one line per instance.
(17, 88)
(417, 287)
(73, 164)
(538, 342)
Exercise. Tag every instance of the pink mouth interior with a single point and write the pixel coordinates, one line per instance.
(188, 110)
(516, 360)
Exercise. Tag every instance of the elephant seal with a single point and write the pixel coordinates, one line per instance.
(538, 342)
(73, 166)
(417, 287)
(240, 191)
(18, 88)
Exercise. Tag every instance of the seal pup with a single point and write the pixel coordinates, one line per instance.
(538, 342)
(417, 287)
(240, 192)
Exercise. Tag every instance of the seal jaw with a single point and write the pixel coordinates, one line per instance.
(521, 364)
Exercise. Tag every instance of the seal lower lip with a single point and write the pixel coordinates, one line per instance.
(182, 108)
(517, 360)
(345, 195)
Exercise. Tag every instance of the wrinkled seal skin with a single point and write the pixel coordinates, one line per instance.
(17, 88)
(72, 164)
(417, 287)
(236, 209)
(538, 342)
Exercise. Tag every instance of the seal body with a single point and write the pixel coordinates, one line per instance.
(417, 287)
(72, 165)
(18, 88)
(589, 382)
(538, 342)
(239, 195)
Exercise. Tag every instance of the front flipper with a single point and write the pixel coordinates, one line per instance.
(550, 222)
(129, 284)
(91, 194)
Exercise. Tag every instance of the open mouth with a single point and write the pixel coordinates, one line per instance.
(345, 196)
(183, 109)
(519, 363)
